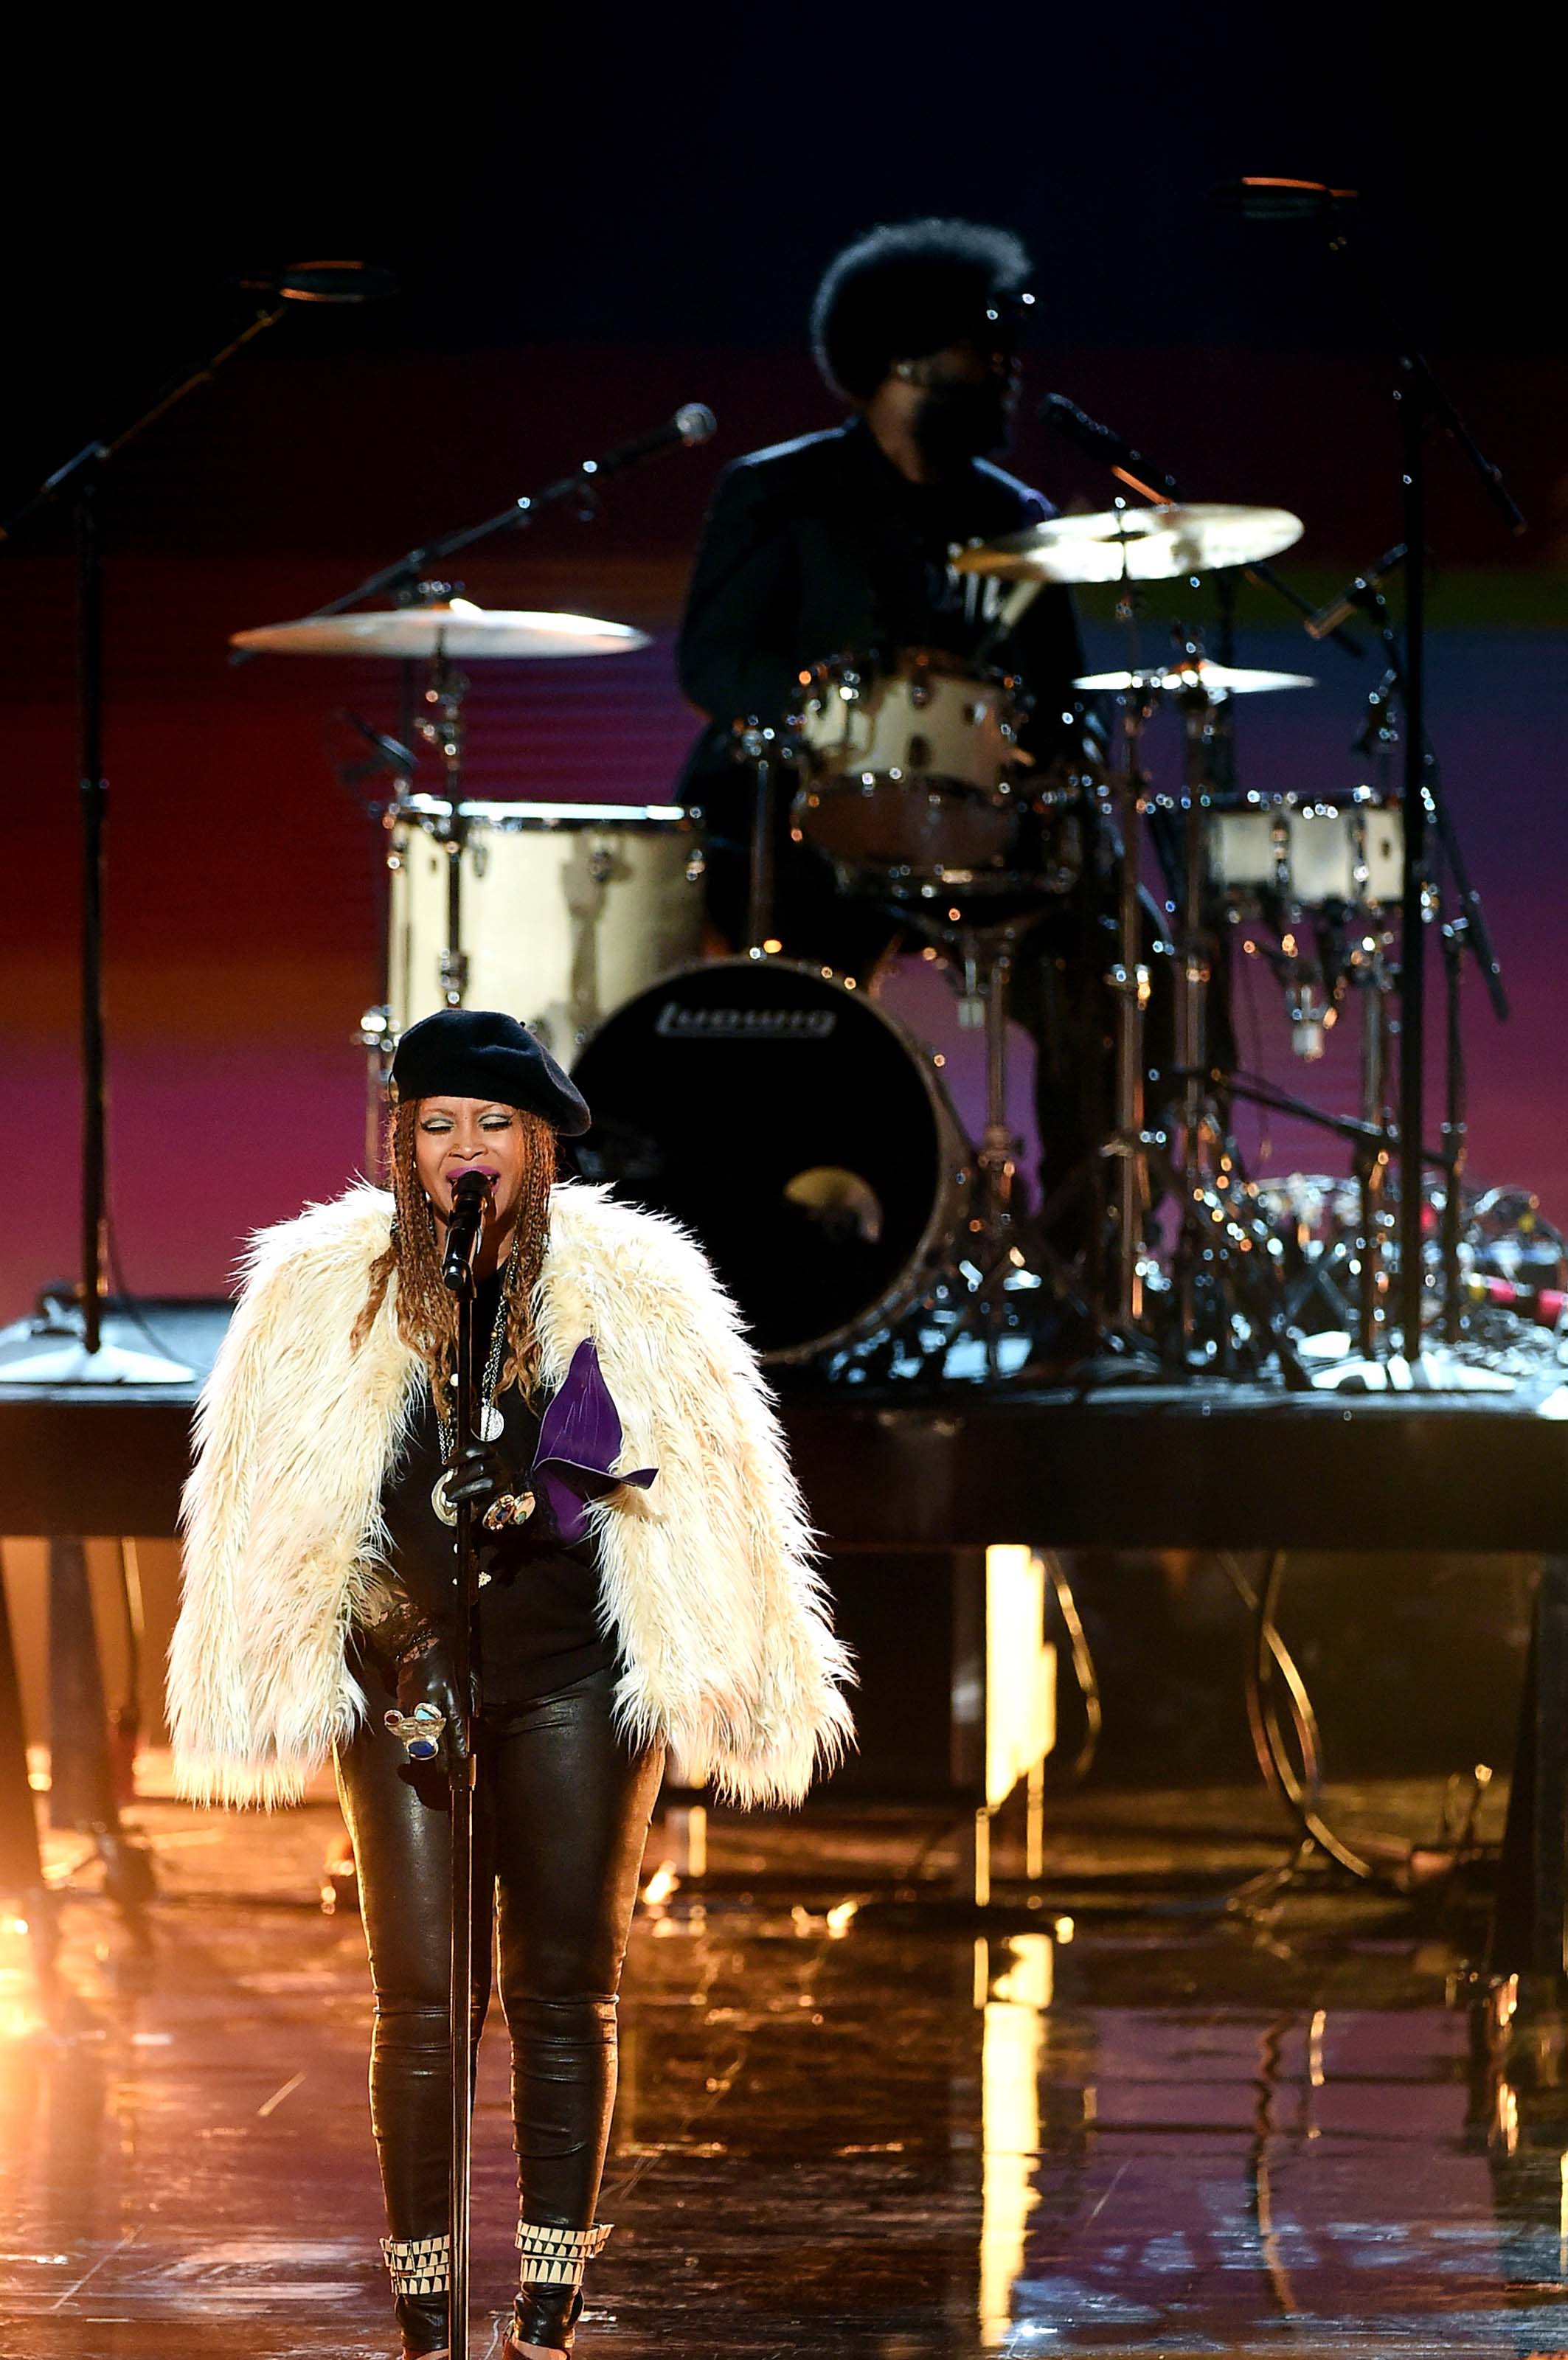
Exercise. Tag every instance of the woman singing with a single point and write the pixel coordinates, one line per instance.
(638, 1601)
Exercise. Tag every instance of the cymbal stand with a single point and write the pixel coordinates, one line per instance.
(441, 726)
(1372, 1154)
(1200, 1118)
(1129, 984)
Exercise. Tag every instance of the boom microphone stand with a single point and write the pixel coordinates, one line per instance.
(1421, 403)
(86, 1358)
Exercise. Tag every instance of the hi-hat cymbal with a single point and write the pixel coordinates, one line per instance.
(1135, 544)
(1218, 679)
(458, 629)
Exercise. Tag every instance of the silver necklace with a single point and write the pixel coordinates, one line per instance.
(490, 1422)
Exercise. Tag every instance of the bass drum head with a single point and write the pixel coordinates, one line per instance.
(792, 1127)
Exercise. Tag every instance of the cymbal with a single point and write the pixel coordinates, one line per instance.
(458, 629)
(1135, 544)
(1220, 680)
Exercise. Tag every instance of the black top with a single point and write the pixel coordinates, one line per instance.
(536, 1629)
(819, 548)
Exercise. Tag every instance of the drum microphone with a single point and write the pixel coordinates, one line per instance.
(326, 282)
(694, 422)
(1327, 620)
(470, 1202)
(1104, 443)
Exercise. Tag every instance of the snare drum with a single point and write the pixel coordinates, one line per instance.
(1310, 854)
(911, 768)
(564, 910)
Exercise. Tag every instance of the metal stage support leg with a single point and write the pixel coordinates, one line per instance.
(82, 1778)
(1529, 1928)
(21, 1866)
(82, 1790)
(1002, 1713)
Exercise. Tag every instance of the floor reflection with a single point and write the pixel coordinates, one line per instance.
(845, 2128)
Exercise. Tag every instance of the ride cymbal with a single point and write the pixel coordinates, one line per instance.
(1135, 544)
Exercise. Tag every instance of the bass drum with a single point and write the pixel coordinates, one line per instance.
(796, 1129)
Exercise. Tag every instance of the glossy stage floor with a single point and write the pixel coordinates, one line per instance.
(1127, 2118)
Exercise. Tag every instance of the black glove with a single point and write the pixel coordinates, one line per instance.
(480, 1477)
(426, 1676)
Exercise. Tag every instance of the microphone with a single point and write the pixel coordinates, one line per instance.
(1327, 620)
(694, 422)
(470, 1202)
(1104, 443)
(326, 282)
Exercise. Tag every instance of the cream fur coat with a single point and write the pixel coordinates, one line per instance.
(708, 1581)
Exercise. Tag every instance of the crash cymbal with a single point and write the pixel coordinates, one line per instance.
(458, 629)
(1218, 679)
(1135, 544)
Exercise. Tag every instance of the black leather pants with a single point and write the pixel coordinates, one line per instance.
(562, 1809)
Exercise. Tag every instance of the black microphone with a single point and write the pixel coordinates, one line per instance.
(1327, 620)
(470, 1202)
(693, 423)
(1104, 443)
(326, 282)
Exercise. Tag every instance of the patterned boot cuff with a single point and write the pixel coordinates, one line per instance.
(419, 2265)
(553, 2256)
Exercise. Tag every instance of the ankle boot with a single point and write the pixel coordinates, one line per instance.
(422, 2321)
(419, 2269)
(550, 2299)
(543, 2315)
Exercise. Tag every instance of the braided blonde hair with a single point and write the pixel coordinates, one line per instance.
(426, 1312)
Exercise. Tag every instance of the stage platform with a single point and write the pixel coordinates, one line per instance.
(1197, 1466)
(1138, 2121)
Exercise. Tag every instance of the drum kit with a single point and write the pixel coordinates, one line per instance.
(775, 1107)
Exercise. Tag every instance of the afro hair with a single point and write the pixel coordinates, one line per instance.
(907, 289)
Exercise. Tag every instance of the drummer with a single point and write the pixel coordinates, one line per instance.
(836, 543)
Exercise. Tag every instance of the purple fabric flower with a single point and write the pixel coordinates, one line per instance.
(579, 1442)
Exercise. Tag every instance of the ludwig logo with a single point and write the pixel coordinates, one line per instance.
(745, 1023)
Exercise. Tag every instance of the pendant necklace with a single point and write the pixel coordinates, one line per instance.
(489, 1425)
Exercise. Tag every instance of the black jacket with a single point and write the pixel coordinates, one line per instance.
(820, 547)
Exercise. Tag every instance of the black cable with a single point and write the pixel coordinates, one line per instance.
(126, 1301)
(1268, 1654)
(1083, 1669)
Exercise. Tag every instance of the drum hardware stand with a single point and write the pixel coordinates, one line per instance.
(989, 1261)
(761, 748)
(1200, 1118)
(1129, 983)
(441, 726)
(1421, 403)
(88, 1359)
(386, 758)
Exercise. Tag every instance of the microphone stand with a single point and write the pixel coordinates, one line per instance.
(1422, 403)
(1466, 930)
(86, 1358)
(461, 1984)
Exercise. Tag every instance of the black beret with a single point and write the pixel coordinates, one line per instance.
(478, 1053)
(907, 289)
